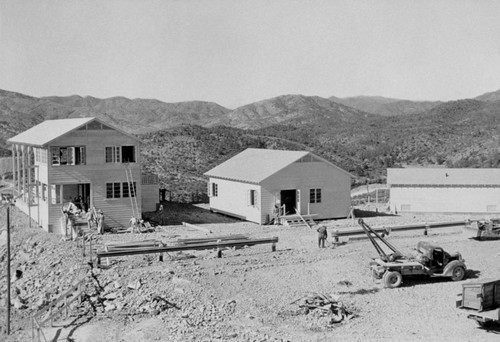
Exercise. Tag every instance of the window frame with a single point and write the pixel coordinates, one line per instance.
(315, 195)
(66, 155)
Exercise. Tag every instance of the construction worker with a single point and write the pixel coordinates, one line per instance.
(90, 218)
(100, 222)
(322, 235)
(134, 224)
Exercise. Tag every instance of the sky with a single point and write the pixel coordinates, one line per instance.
(235, 52)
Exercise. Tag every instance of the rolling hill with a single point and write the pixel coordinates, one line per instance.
(386, 106)
(183, 140)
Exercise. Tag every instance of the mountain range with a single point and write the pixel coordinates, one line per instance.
(364, 134)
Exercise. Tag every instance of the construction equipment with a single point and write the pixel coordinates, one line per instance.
(488, 229)
(431, 260)
(481, 300)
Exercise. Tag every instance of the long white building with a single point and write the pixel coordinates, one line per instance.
(444, 190)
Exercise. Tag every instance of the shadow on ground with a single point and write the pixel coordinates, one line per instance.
(369, 213)
(174, 213)
(418, 280)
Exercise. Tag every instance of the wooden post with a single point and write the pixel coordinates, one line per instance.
(273, 247)
(28, 185)
(426, 228)
(83, 246)
(90, 249)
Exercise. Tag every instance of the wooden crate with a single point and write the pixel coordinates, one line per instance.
(481, 294)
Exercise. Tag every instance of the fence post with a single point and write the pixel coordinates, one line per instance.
(426, 228)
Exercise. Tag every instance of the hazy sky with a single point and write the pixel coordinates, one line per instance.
(234, 52)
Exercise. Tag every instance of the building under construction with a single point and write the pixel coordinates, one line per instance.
(83, 161)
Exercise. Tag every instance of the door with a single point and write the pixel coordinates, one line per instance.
(289, 199)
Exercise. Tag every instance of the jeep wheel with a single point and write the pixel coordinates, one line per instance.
(392, 279)
(458, 273)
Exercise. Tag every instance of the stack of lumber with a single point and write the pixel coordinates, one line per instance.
(326, 305)
(132, 245)
(213, 239)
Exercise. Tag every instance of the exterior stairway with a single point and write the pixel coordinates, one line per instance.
(298, 221)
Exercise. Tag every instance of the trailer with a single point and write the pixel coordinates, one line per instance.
(481, 300)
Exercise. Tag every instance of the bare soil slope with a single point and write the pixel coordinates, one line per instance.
(247, 295)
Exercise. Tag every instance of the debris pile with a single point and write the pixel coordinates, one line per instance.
(328, 307)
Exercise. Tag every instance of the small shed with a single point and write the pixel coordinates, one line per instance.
(444, 190)
(255, 182)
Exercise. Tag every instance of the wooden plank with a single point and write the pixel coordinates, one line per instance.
(104, 254)
(188, 225)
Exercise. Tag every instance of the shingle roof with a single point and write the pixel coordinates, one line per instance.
(255, 165)
(47, 131)
(443, 176)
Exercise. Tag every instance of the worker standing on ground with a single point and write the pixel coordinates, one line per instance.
(322, 235)
(90, 218)
(100, 222)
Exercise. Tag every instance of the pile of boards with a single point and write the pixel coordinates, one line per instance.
(325, 305)
(213, 239)
(133, 245)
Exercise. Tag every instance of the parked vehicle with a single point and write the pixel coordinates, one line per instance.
(431, 260)
(481, 299)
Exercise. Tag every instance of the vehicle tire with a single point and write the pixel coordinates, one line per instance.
(392, 279)
(458, 273)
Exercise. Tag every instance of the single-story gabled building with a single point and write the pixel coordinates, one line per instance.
(444, 190)
(252, 184)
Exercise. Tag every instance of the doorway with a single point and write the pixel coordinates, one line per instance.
(79, 193)
(289, 199)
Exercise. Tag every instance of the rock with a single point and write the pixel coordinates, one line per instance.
(108, 306)
(136, 285)
(117, 284)
(111, 296)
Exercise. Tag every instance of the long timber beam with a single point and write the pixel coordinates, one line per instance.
(387, 230)
(204, 246)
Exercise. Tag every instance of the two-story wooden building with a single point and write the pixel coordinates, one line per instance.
(83, 159)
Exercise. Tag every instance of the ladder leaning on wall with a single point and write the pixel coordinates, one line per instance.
(132, 192)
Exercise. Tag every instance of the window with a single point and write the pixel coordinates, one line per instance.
(120, 154)
(55, 193)
(120, 190)
(113, 154)
(315, 195)
(67, 155)
(44, 191)
(128, 154)
(215, 190)
(253, 198)
(113, 190)
(125, 191)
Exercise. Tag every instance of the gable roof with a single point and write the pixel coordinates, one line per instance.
(49, 130)
(254, 165)
(443, 176)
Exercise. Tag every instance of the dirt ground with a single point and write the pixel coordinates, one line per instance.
(248, 294)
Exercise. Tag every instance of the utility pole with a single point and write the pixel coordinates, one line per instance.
(8, 268)
(8, 201)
